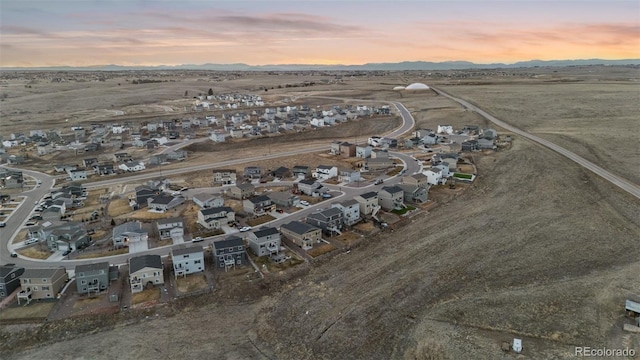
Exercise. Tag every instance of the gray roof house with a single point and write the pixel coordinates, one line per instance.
(130, 234)
(144, 271)
(391, 197)
(215, 218)
(207, 200)
(9, 280)
(284, 198)
(92, 278)
(64, 236)
(164, 202)
(187, 260)
(258, 205)
(229, 253)
(265, 241)
(41, 283)
(329, 220)
(242, 191)
(301, 234)
(368, 202)
(350, 211)
(171, 228)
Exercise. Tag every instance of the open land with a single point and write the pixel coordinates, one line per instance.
(536, 248)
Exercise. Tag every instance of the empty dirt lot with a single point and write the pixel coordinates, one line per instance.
(538, 248)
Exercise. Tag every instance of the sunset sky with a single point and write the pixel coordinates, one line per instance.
(154, 32)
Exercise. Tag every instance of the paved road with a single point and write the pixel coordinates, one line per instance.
(346, 192)
(624, 184)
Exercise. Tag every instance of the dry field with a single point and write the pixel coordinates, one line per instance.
(536, 248)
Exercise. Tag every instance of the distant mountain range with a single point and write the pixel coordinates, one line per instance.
(405, 65)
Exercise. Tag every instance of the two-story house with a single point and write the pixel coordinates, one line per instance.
(187, 260)
(164, 202)
(171, 228)
(284, 199)
(252, 172)
(130, 234)
(309, 187)
(325, 172)
(301, 234)
(242, 191)
(368, 202)
(330, 220)
(229, 253)
(350, 211)
(434, 176)
(204, 200)
(258, 205)
(300, 171)
(9, 280)
(415, 188)
(92, 278)
(391, 197)
(224, 177)
(215, 218)
(44, 283)
(363, 151)
(145, 271)
(77, 174)
(265, 241)
(349, 176)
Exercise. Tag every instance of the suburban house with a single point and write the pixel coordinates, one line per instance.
(77, 174)
(470, 145)
(218, 136)
(132, 235)
(300, 171)
(445, 129)
(144, 192)
(242, 191)
(444, 170)
(164, 202)
(489, 133)
(39, 284)
(207, 200)
(281, 172)
(171, 228)
(391, 197)
(309, 187)
(132, 166)
(258, 205)
(434, 176)
(284, 199)
(373, 164)
(450, 158)
(363, 151)
(303, 235)
(349, 176)
(265, 241)
(368, 202)
(92, 278)
(430, 139)
(329, 220)
(224, 177)
(187, 260)
(229, 253)
(414, 194)
(104, 169)
(325, 172)
(350, 211)
(252, 172)
(64, 236)
(145, 270)
(486, 143)
(215, 218)
(380, 154)
(9, 280)
(89, 162)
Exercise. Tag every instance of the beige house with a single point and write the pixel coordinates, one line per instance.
(39, 284)
(224, 177)
(368, 202)
(145, 270)
(303, 235)
(242, 191)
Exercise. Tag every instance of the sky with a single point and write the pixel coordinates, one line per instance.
(163, 32)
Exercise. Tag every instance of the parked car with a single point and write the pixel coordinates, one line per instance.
(2, 224)
(280, 211)
(304, 202)
(245, 228)
(378, 182)
(198, 239)
(326, 196)
(67, 252)
(31, 223)
(14, 255)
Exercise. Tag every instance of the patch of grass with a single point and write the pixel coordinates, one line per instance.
(191, 283)
(103, 253)
(394, 171)
(320, 250)
(34, 310)
(34, 253)
(260, 220)
(462, 176)
(145, 296)
(118, 207)
(403, 211)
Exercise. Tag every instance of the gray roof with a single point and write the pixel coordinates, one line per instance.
(259, 199)
(40, 273)
(265, 232)
(307, 181)
(369, 195)
(162, 199)
(6, 270)
(231, 241)
(92, 267)
(392, 189)
(132, 226)
(348, 203)
(140, 262)
(245, 186)
(298, 227)
(182, 250)
(170, 220)
(215, 210)
(203, 197)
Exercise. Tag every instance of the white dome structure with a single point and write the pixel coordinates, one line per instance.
(417, 86)
(398, 88)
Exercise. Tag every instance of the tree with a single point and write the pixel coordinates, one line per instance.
(210, 91)
(113, 222)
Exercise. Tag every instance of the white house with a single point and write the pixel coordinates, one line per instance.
(445, 129)
(363, 152)
(217, 136)
(77, 174)
(187, 260)
(317, 122)
(444, 168)
(132, 166)
(117, 129)
(215, 218)
(349, 176)
(132, 235)
(434, 176)
(204, 200)
(145, 270)
(324, 172)
(171, 228)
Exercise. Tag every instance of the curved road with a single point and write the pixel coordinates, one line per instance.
(624, 184)
(18, 218)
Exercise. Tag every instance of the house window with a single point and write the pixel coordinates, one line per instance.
(35, 288)
(83, 282)
(197, 261)
(26, 281)
(240, 248)
(45, 288)
(49, 295)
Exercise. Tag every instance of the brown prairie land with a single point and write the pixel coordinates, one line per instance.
(537, 248)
